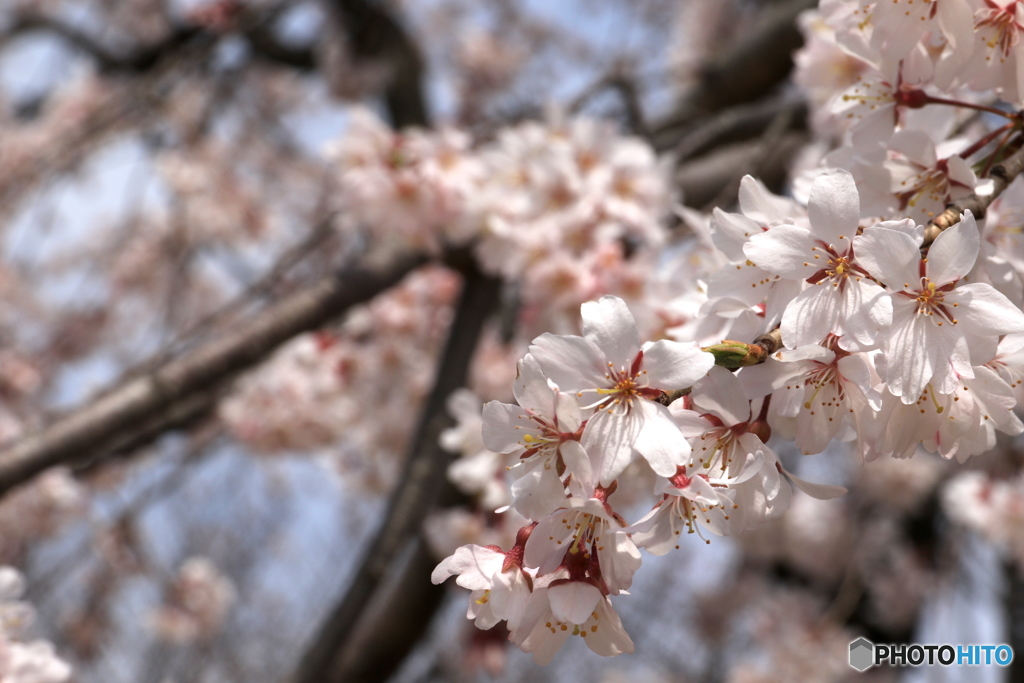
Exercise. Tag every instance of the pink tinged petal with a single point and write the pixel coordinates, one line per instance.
(866, 309)
(834, 206)
(890, 256)
(620, 559)
(577, 463)
(573, 363)
(721, 394)
(573, 601)
(510, 595)
(675, 365)
(473, 564)
(660, 442)
(819, 491)
(954, 251)
(539, 491)
(609, 638)
(818, 424)
(481, 611)
(531, 387)
(811, 316)
(956, 21)
(961, 173)
(770, 479)
(654, 532)
(911, 352)
(730, 231)
(915, 145)
(954, 361)
(608, 439)
(751, 467)
(984, 310)
(690, 423)
(548, 543)
(504, 427)
(611, 327)
(856, 371)
(785, 250)
(568, 417)
(772, 375)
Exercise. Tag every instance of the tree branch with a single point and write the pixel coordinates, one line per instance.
(1002, 174)
(374, 34)
(111, 420)
(423, 477)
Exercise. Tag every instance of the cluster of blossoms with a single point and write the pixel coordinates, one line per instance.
(993, 508)
(553, 206)
(196, 603)
(886, 343)
(20, 661)
(317, 388)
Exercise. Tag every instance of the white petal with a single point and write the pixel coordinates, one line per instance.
(954, 251)
(834, 206)
(757, 203)
(891, 256)
(531, 387)
(984, 310)
(573, 601)
(539, 491)
(730, 231)
(819, 491)
(504, 427)
(660, 441)
(811, 316)
(609, 638)
(577, 463)
(784, 250)
(573, 363)
(675, 365)
(609, 439)
(721, 394)
(473, 564)
(611, 327)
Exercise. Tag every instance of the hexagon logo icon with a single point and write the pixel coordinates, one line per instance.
(862, 654)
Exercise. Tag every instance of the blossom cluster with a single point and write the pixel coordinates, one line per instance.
(886, 343)
(196, 604)
(24, 661)
(552, 205)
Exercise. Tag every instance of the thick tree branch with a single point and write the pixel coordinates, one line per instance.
(183, 384)
(422, 479)
(374, 34)
(748, 71)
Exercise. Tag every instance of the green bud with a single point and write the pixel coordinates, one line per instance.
(735, 354)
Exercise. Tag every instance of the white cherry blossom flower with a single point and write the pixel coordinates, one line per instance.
(842, 299)
(935, 315)
(612, 375)
(544, 432)
(557, 612)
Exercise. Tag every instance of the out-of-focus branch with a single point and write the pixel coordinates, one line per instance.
(422, 479)
(142, 59)
(622, 84)
(375, 35)
(740, 123)
(748, 71)
(1002, 174)
(149, 402)
(702, 180)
